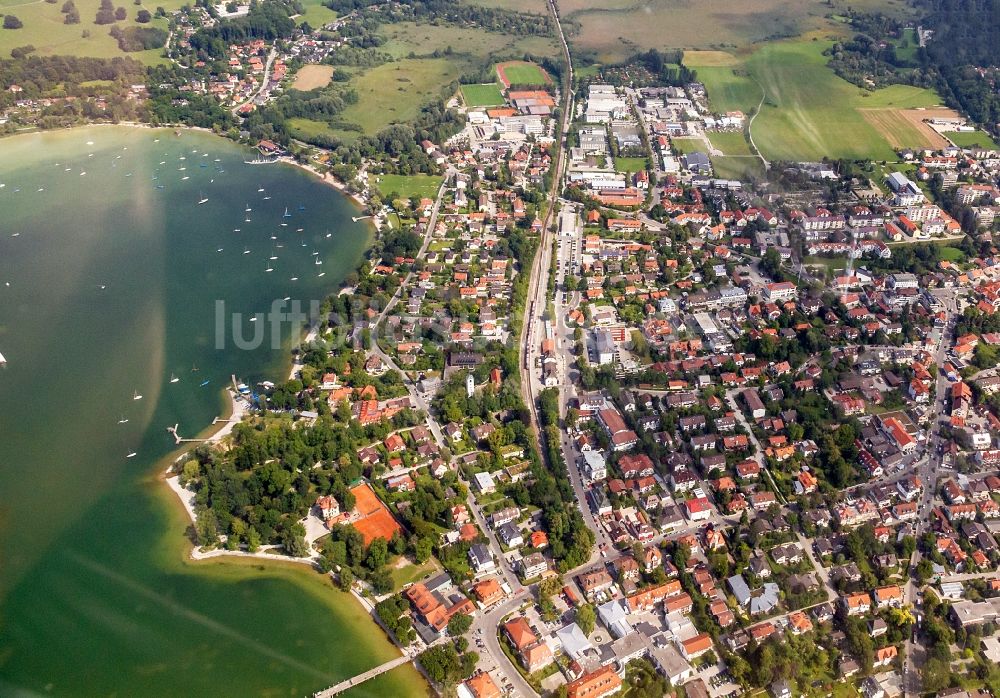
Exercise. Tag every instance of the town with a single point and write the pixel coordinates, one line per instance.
(599, 413)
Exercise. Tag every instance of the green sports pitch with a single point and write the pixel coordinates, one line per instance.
(488, 95)
(521, 73)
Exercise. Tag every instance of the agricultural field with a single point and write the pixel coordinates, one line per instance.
(403, 39)
(904, 128)
(312, 76)
(808, 112)
(421, 185)
(612, 30)
(516, 73)
(630, 164)
(967, 139)
(44, 29)
(488, 95)
(395, 92)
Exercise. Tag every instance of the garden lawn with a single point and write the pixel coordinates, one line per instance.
(630, 164)
(952, 254)
(742, 167)
(411, 572)
(688, 145)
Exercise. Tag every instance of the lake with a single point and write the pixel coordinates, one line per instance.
(120, 251)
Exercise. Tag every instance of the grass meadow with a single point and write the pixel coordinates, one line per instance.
(808, 112)
(422, 185)
(967, 139)
(44, 29)
(615, 29)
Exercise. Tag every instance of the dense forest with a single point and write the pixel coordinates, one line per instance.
(488, 18)
(38, 75)
(267, 21)
(139, 38)
(966, 36)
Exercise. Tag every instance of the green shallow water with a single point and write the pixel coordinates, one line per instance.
(96, 597)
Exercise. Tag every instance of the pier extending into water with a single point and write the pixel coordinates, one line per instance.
(361, 678)
(177, 437)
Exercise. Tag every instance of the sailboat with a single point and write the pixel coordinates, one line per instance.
(136, 395)
(269, 268)
(123, 420)
(247, 219)
(246, 250)
(203, 198)
(261, 188)
(173, 378)
(194, 368)
(287, 214)
(302, 207)
(130, 454)
(248, 209)
(3, 361)
(318, 261)
(204, 383)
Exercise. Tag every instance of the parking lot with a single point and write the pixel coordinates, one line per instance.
(720, 683)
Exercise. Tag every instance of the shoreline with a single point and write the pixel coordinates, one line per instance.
(238, 408)
(326, 177)
(175, 543)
